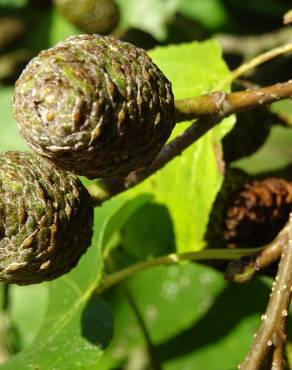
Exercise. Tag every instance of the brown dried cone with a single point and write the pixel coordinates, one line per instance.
(233, 183)
(94, 105)
(249, 212)
(258, 213)
(91, 16)
(46, 219)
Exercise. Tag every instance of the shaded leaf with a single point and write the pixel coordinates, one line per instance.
(193, 316)
(121, 214)
(240, 142)
(276, 153)
(148, 232)
(97, 322)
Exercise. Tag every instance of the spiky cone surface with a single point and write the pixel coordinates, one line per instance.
(258, 212)
(91, 16)
(46, 219)
(94, 105)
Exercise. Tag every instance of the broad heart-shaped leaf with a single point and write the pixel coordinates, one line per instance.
(150, 16)
(188, 185)
(78, 324)
(194, 318)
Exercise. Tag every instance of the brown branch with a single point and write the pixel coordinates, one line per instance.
(222, 105)
(271, 335)
(278, 354)
(210, 109)
(243, 269)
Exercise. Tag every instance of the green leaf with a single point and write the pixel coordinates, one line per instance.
(150, 16)
(284, 109)
(26, 319)
(188, 185)
(10, 138)
(192, 315)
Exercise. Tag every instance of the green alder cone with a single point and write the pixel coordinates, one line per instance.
(91, 16)
(95, 106)
(46, 219)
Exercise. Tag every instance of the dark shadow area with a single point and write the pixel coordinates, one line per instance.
(37, 22)
(139, 38)
(238, 143)
(256, 16)
(40, 3)
(234, 304)
(24, 32)
(97, 322)
(184, 29)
